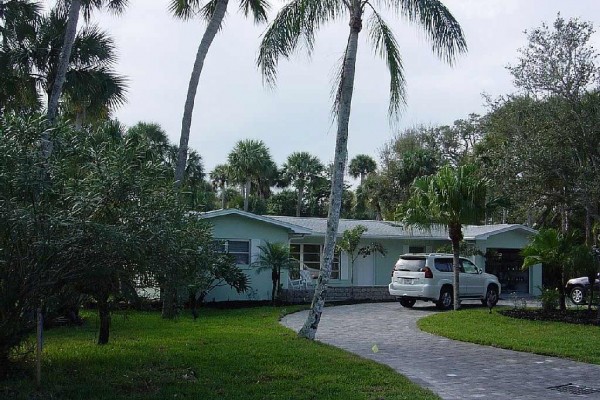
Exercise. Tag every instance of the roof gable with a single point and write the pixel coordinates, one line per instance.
(297, 229)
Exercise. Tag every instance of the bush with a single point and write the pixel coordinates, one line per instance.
(550, 299)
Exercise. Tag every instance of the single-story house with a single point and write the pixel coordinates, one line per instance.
(244, 232)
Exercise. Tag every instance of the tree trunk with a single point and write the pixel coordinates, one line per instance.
(247, 193)
(63, 61)
(455, 231)
(299, 202)
(223, 198)
(274, 288)
(169, 303)
(186, 123)
(104, 314)
(309, 330)
(561, 290)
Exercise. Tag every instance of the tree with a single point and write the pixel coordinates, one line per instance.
(450, 198)
(91, 88)
(556, 251)
(283, 203)
(301, 168)
(213, 12)
(275, 257)
(219, 177)
(361, 166)
(301, 19)
(248, 160)
(350, 242)
(558, 61)
(74, 8)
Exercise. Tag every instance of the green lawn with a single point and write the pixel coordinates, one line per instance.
(225, 354)
(577, 342)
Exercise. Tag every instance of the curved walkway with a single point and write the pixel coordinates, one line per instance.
(452, 369)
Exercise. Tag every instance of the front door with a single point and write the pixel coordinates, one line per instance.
(363, 271)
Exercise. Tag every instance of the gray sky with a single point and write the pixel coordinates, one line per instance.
(156, 52)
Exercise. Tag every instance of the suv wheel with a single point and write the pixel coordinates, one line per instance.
(577, 295)
(408, 303)
(491, 296)
(446, 300)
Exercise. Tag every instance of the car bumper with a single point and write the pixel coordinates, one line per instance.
(424, 292)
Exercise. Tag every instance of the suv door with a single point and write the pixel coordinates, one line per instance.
(445, 265)
(472, 277)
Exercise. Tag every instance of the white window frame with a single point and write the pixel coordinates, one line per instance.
(334, 271)
(226, 248)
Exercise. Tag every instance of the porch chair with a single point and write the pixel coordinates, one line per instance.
(306, 278)
(295, 284)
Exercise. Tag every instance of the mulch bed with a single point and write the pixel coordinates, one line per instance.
(570, 316)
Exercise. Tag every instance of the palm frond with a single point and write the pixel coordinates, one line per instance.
(187, 9)
(442, 29)
(386, 46)
(299, 19)
(93, 46)
(336, 87)
(258, 8)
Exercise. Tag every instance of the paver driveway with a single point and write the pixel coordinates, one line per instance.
(454, 370)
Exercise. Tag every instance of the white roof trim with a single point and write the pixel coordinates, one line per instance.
(509, 228)
(262, 218)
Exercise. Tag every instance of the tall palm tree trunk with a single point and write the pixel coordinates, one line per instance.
(455, 233)
(63, 62)
(299, 201)
(247, 188)
(209, 34)
(223, 197)
(309, 329)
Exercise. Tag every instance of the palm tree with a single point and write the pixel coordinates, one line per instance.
(18, 33)
(300, 19)
(559, 252)
(73, 8)
(361, 166)
(219, 178)
(213, 12)
(275, 257)
(247, 161)
(450, 198)
(301, 168)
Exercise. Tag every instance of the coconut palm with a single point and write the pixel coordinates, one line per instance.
(248, 160)
(300, 19)
(275, 257)
(361, 166)
(73, 8)
(213, 12)
(301, 168)
(450, 198)
(219, 177)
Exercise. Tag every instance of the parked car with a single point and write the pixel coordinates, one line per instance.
(577, 289)
(429, 277)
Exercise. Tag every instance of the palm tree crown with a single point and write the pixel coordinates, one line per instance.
(361, 166)
(248, 160)
(301, 168)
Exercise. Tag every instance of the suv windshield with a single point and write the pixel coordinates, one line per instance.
(410, 264)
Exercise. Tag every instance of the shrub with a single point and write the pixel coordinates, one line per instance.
(550, 299)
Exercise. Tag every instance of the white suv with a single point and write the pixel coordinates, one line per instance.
(429, 277)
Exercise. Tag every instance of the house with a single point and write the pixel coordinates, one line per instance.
(243, 233)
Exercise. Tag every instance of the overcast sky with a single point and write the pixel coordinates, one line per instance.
(156, 53)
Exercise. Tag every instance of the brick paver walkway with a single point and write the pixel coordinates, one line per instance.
(454, 370)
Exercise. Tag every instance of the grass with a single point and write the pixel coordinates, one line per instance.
(577, 342)
(225, 354)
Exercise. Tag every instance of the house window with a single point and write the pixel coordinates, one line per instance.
(240, 249)
(416, 249)
(311, 256)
